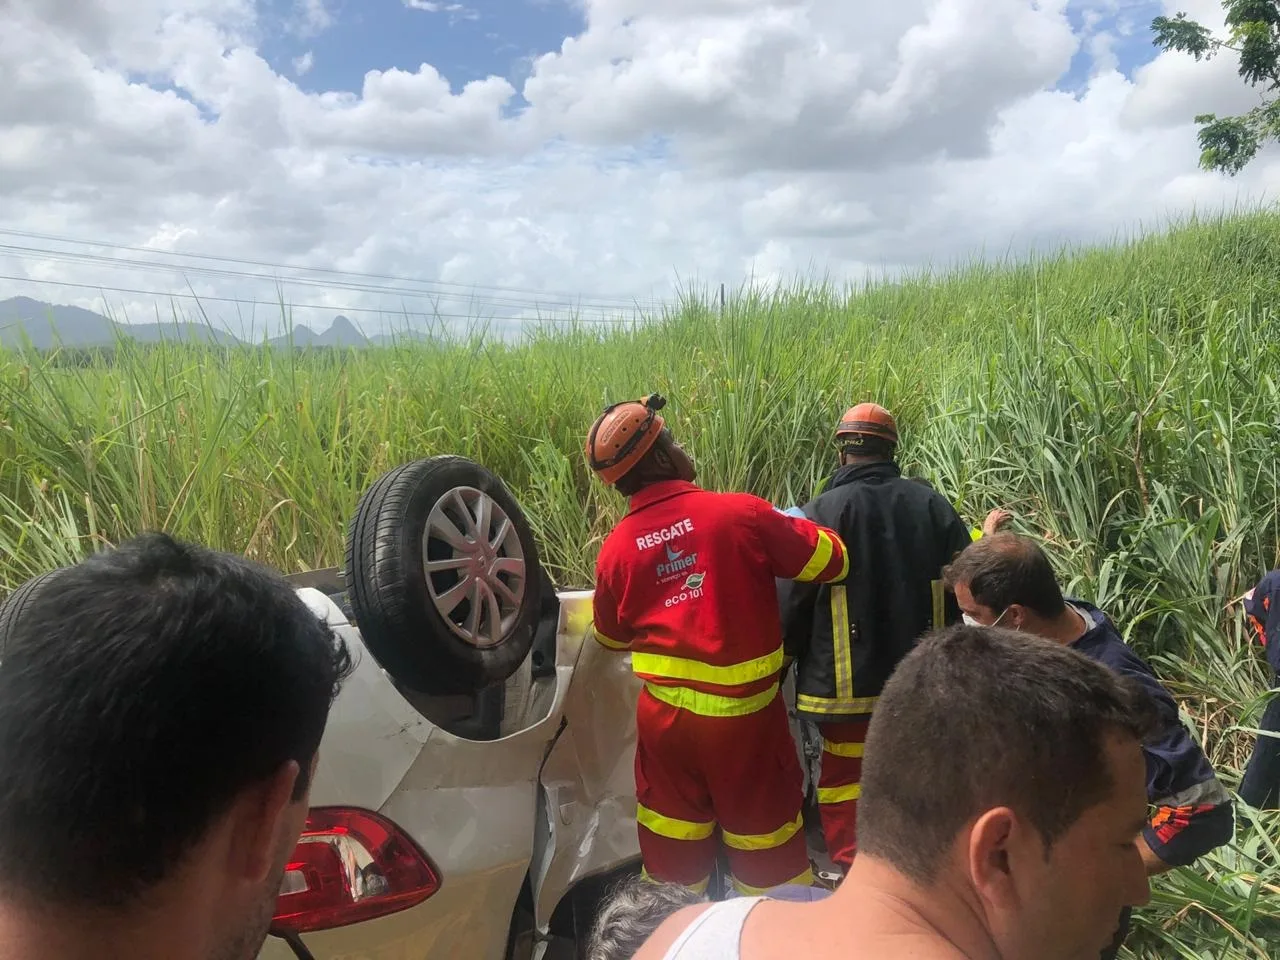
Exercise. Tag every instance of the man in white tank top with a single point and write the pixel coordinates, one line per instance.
(970, 845)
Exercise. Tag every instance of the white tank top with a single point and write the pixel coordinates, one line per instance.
(716, 933)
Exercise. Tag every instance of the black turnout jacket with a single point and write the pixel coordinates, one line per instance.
(848, 637)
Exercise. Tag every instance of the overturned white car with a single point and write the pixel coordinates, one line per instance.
(474, 797)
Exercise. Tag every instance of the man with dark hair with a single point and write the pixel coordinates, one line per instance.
(161, 707)
(848, 636)
(1007, 580)
(970, 847)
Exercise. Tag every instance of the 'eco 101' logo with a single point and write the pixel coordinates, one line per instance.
(691, 590)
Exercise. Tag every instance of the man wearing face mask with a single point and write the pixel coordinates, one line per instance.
(1007, 580)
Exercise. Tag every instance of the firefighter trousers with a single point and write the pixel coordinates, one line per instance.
(703, 781)
(840, 786)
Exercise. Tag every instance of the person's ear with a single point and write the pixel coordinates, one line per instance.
(1017, 617)
(992, 857)
(662, 455)
(262, 814)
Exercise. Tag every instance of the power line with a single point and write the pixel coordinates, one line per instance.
(34, 255)
(302, 306)
(597, 298)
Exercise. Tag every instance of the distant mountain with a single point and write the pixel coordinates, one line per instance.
(341, 333)
(48, 325)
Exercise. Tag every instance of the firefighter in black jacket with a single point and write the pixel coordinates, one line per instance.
(848, 637)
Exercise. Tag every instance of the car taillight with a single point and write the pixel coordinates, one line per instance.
(351, 865)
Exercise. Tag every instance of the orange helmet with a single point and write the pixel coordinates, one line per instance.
(869, 419)
(623, 434)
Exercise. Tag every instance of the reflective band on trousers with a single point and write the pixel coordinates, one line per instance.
(680, 668)
(803, 880)
(699, 887)
(843, 794)
(764, 841)
(672, 828)
(842, 749)
(711, 704)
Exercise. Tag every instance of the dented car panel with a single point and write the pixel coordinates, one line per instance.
(552, 799)
(588, 811)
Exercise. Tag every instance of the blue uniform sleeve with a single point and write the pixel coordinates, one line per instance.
(1193, 812)
(1263, 611)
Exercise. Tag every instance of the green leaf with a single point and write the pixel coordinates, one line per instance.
(1186, 36)
(1227, 144)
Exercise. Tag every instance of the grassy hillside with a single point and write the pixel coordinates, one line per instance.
(1123, 401)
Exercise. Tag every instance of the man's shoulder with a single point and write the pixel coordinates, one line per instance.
(669, 931)
(1102, 640)
(1103, 643)
(734, 505)
(931, 494)
(736, 498)
(916, 493)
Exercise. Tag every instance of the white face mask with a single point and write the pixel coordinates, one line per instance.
(970, 621)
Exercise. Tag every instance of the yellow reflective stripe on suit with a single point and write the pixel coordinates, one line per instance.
(764, 841)
(673, 828)
(836, 706)
(699, 887)
(841, 794)
(842, 654)
(711, 704)
(608, 642)
(682, 668)
(843, 749)
(822, 554)
(803, 880)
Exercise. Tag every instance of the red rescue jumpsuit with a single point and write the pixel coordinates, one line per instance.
(685, 582)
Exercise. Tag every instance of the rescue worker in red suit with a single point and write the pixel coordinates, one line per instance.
(685, 583)
(848, 637)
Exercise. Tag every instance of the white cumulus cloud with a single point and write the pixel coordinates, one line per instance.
(670, 141)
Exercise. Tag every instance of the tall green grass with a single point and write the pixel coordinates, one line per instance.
(1123, 401)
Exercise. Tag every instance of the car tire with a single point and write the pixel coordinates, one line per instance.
(18, 600)
(442, 612)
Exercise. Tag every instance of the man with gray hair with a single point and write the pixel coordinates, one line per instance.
(638, 906)
(635, 909)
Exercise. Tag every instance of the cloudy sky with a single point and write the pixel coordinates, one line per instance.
(478, 158)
